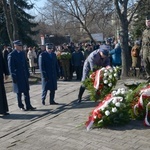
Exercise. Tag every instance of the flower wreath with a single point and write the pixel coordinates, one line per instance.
(111, 111)
(101, 82)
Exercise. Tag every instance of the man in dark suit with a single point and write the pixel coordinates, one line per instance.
(19, 72)
(3, 98)
(49, 72)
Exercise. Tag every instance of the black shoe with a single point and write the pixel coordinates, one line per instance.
(22, 109)
(54, 103)
(31, 108)
(79, 100)
(43, 102)
(5, 114)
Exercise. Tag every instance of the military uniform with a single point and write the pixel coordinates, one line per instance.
(95, 59)
(49, 73)
(19, 72)
(146, 46)
(65, 63)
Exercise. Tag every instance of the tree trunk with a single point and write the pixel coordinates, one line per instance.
(125, 48)
(8, 21)
(13, 19)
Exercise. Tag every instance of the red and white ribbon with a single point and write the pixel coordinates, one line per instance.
(97, 79)
(143, 93)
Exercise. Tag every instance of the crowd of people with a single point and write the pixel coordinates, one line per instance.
(60, 62)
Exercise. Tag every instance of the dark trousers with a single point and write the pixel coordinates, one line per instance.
(78, 70)
(26, 98)
(51, 95)
(81, 91)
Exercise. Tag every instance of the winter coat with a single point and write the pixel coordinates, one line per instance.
(31, 55)
(116, 55)
(49, 70)
(19, 71)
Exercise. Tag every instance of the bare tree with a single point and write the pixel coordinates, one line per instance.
(79, 10)
(125, 10)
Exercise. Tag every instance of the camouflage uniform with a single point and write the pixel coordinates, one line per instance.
(65, 63)
(146, 48)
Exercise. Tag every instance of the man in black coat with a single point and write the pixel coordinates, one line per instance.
(3, 98)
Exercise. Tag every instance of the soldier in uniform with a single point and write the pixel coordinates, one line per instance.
(145, 49)
(98, 58)
(66, 64)
(19, 72)
(49, 73)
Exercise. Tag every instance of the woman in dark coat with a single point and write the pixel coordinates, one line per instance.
(3, 98)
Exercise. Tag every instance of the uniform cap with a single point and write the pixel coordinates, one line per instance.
(107, 47)
(104, 49)
(17, 42)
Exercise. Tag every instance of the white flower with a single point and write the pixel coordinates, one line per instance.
(121, 99)
(115, 70)
(105, 74)
(95, 117)
(118, 91)
(110, 70)
(103, 68)
(115, 74)
(122, 89)
(110, 84)
(105, 71)
(114, 100)
(110, 76)
(105, 81)
(117, 104)
(122, 92)
(107, 113)
(113, 93)
(114, 109)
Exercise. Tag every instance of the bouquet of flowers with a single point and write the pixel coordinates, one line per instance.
(64, 55)
(111, 111)
(101, 82)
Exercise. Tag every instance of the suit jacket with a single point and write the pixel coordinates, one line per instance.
(49, 69)
(19, 71)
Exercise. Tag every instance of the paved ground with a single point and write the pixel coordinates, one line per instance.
(61, 127)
